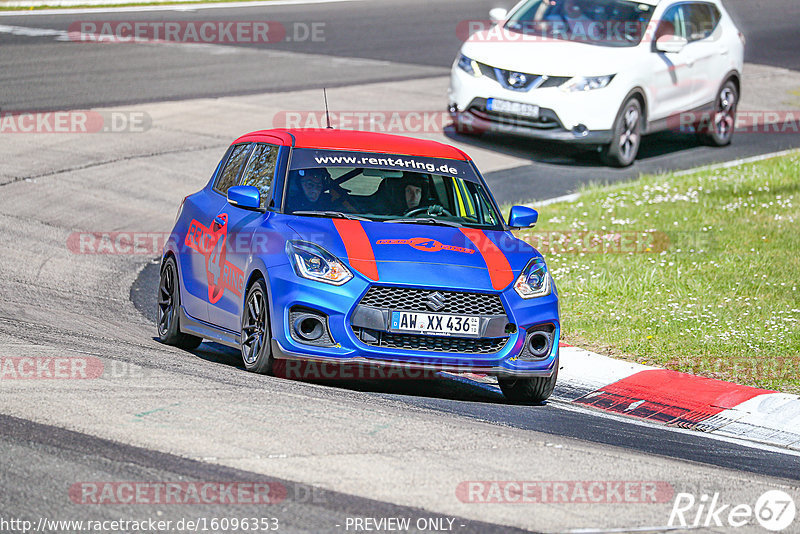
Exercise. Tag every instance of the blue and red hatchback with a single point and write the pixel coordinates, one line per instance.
(353, 247)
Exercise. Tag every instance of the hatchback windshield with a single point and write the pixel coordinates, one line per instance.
(391, 194)
(601, 22)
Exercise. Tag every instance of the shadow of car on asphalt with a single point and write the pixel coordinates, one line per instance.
(441, 386)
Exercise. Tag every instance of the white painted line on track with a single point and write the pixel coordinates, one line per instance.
(76, 37)
(26, 31)
(630, 529)
(772, 417)
(568, 405)
(572, 197)
(166, 7)
(737, 162)
(584, 369)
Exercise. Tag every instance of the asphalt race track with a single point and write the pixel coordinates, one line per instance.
(334, 450)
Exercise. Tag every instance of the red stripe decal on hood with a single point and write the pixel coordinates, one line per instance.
(499, 268)
(358, 247)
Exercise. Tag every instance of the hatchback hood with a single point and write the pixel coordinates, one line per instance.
(421, 255)
(553, 57)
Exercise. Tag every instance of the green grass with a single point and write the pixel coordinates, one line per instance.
(707, 281)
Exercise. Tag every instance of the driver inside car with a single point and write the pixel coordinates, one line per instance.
(314, 190)
(414, 191)
(308, 190)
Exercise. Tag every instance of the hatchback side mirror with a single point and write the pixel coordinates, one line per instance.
(245, 196)
(522, 217)
(671, 44)
(498, 14)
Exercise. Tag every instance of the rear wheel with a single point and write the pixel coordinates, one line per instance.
(256, 339)
(168, 312)
(719, 130)
(626, 136)
(529, 390)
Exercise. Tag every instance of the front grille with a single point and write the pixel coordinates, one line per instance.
(431, 343)
(397, 298)
(486, 70)
(535, 81)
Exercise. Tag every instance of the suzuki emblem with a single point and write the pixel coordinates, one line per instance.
(436, 301)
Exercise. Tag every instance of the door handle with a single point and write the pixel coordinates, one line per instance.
(221, 220)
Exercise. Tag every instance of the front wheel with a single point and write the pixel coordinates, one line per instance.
(719, 130)
(626, 136)
(529, 390)
(168, 312)
(256, 339)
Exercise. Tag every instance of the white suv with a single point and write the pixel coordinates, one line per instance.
(601, 73)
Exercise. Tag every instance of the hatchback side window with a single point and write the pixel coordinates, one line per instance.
(261, 170)
(227, 178)
(673, 22)
(701, 21)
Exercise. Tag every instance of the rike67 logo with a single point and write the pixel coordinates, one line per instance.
(774, 510)
(211, 243)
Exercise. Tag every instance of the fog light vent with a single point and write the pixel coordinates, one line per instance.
(538, 343)
(580, 131)
(310, 326)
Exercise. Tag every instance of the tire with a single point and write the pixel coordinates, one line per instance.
(627, 136)
(168, 309)
(529, 390)
(718, 131)
(256, 343)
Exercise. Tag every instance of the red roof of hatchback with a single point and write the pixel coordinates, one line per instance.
(333, 139)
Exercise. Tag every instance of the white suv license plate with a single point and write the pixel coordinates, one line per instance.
(436, 324)
(513, 108)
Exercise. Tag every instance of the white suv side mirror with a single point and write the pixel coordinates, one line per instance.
(671, 44)
(498, 14)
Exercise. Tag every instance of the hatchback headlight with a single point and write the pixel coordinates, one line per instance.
(470, 66)
(534, 281)
(587, 83)
(315, 263)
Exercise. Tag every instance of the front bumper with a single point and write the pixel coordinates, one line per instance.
(281, 353)
(476, 119)
(339, 304)
(581, 117)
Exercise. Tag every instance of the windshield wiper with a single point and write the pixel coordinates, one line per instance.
(425, 220)
(333, 214)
